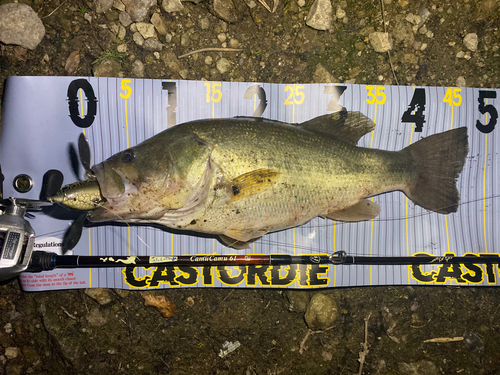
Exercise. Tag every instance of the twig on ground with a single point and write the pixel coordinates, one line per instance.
(265, 5)
(445, 339)
(364, 353)
(211, 50)
(388, 52)
(303, 346)
(51, 13)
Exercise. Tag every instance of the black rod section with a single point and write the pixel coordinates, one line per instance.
(45, 261)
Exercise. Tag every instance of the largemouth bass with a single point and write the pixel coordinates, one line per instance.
(241, 178)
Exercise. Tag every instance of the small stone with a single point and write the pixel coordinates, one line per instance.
(122, 31)
(486, 9)
(138, 9)
(473, 342)
(233, 43)
(122, 48)
(152, 44)
(158, 24)
(184, 73)
(298, 299)
(226, 10)
(223, 65)
(423, 47)
(381, 42)
(208, 60)
(340, 13)
(137, 72)
(11, 352)
(321, 312)
(185, 39)
(113, 27)
(125, 19)
(190, 301)
(72, 63)
(117, 4)
(222, 37)
(8, 328)
(320, 15)
(413, 19)
(470, 41)
(171, 6)
(102, 6)
(95, 318)
(423, 30)
(429, 34)
(301, 3)
(100, 295)
(421, 367)
(322, 75)
(147, 30)
(124, 293)
(19, 24)
(327, 356)
(460, 54)
(424, 15)
(417, 45)
(204, 23)
(460, 82)
(138, 39)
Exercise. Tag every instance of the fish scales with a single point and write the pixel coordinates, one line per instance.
(319, 174)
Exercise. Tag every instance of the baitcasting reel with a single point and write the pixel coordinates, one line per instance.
(17, 237)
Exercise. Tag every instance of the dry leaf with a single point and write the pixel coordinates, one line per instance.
(161, 303)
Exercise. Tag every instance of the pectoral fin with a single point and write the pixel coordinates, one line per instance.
(251, 183)
(365, 209)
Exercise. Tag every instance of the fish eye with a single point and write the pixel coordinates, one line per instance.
(128, 156)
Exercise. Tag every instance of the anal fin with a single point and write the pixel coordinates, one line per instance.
(365, 209)
(238, 239)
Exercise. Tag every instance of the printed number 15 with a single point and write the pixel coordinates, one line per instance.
(212, 89)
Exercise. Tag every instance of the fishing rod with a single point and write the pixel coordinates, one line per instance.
(17, 241)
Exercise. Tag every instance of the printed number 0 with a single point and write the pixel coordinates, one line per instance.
(74, 103)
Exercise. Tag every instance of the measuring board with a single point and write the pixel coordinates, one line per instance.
(43, 116)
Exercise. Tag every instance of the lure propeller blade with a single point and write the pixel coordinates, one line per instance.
(84, 153)
(52, 182)
(73, 234)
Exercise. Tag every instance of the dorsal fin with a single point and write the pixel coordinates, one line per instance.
(346, 126)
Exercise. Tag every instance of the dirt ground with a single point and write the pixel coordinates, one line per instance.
(67, 332)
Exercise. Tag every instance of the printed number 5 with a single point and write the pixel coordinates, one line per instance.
(126, 88)
(379, 96)
(296, 96)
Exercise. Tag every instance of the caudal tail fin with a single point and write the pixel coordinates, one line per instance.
(438, 161)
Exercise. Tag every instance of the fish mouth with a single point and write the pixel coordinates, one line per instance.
(115, 188)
